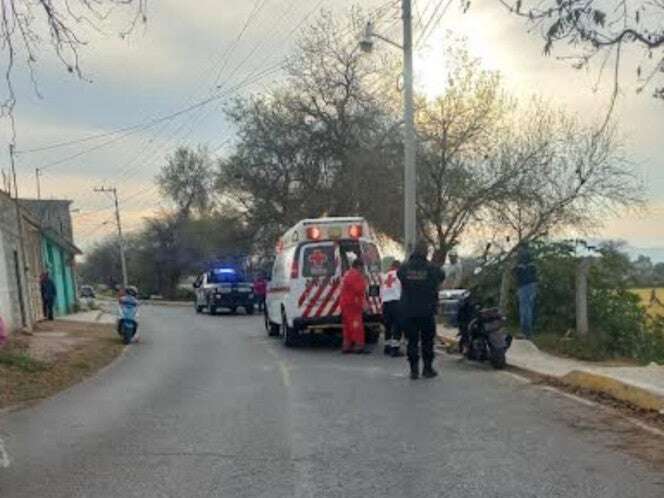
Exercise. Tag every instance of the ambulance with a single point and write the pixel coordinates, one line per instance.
(311, 259)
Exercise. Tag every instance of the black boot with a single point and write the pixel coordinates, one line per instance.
(414, 370)
(429, 372)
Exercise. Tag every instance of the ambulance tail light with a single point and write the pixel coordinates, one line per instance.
(355, 231)
(313, 233)
(295, 268)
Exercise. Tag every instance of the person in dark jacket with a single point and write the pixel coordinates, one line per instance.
(525, 274)
(420, 281)
(48, 294)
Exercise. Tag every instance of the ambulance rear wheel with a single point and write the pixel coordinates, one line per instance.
(288, 334)
(272, 329)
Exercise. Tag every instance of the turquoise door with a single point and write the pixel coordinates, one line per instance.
(61, 273)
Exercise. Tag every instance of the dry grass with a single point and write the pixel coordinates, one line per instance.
(656, 309)
(67, 353)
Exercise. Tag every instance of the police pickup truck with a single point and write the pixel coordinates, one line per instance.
(223, 288)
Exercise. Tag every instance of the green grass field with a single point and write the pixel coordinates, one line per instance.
(656, 309)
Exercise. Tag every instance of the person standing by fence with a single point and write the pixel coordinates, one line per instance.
(525, 274)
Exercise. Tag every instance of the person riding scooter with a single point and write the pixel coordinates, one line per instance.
(128, 311)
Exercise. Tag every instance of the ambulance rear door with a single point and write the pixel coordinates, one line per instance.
(319, 285)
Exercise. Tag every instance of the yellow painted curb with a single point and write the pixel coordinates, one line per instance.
(633, 395)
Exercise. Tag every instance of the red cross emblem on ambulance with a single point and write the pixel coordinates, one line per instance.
(318, 258)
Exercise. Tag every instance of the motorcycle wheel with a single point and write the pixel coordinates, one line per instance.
(497, 358)
(126, 336)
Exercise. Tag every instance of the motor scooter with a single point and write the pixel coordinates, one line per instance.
(127, 321)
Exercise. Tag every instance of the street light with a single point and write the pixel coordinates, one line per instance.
(410, 176)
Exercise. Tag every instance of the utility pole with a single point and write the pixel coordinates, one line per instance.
(410, 173)
(23, 280)
(37, 175)
(123, 261)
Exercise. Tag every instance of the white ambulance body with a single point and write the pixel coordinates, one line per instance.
(312, 257)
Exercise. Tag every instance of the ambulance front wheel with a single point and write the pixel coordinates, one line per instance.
(288, 334)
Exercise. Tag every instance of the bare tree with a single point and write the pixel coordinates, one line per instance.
(28, 26)
(324, 143)
(600, 29)
(457, 170)
(572, 176)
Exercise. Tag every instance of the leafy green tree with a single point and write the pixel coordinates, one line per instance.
(187, 180)
(322, 144)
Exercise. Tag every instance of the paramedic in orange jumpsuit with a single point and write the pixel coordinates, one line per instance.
(353, 297)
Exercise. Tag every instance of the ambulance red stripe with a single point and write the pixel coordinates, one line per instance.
(316, 297)
(304, 295)
(328, 297)
(335, 305)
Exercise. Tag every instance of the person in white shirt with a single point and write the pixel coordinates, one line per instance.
(453, 271)
(390, 292)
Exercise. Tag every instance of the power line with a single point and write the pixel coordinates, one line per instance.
(434, 20)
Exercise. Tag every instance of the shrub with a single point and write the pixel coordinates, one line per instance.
(183, 294)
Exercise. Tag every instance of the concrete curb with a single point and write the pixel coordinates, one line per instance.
(156, 302)
(635, 396)
(597, 383)
(174, 304)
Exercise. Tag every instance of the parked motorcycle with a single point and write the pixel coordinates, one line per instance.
(482, 335)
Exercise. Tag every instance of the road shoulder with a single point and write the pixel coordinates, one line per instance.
(638, 389)
(56, 356)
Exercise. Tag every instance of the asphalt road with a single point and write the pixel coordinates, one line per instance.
(210, 406)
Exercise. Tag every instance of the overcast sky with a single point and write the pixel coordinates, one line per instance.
(187, 48)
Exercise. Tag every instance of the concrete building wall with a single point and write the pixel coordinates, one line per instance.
(47, 244)
(52, 214)
(11, 308)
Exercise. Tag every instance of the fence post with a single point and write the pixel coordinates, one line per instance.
(582, 295)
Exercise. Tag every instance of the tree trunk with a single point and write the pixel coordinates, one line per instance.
(582, 296)
(439, 257)
(505, 285)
